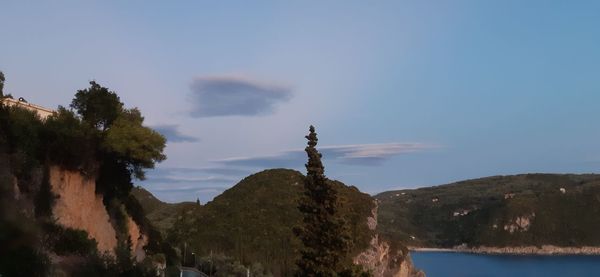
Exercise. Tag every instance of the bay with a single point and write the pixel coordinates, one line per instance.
(452, 264)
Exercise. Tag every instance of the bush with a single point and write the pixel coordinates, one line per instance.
(75, 242)
(68, 241)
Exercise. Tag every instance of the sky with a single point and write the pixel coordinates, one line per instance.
(403, 94)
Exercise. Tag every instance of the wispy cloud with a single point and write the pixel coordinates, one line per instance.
(355, 154)
(226, 171)
(207, 182)
(225, 96)
(172, 133)
(197, 180)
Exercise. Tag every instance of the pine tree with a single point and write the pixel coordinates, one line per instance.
(324, 236)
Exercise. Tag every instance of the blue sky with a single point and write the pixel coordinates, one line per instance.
(403, 93)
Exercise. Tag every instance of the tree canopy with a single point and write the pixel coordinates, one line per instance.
(139, 146)
(122, 136)
(97, 105)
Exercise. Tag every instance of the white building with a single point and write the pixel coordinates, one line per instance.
(41, 111)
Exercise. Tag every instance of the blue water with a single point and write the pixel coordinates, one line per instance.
(442, 264)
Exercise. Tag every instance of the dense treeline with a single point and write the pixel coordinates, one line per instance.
(98, 137)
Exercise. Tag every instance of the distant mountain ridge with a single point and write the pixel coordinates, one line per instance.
(501, 211)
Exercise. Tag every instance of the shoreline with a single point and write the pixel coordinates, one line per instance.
(545, 250)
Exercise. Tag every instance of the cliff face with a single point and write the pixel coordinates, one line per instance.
(382, 260)
(79, 207)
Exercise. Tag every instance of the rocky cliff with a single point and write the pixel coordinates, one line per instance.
(79, 207)
(383, 260)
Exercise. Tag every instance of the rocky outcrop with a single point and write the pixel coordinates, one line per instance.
(79, 207)
(138, 240)
(382, 260)
(520, 224)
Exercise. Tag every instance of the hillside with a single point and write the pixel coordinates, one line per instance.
(253, 221)
(65, 182)
(161, 214)
(521, 210)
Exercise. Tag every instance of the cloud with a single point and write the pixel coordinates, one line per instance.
(199, 171)
(355, 154)
(198, 180)
(371, 154)
(226, 96)
(288, 159)
(171, 132)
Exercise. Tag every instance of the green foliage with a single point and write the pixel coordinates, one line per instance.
(161, 215)
(490, 201)
(156, 244)
(68, 241)
(20, 253)
(1, 84)
(252, 222)
(97, 105)
(69, 142)
(140, 147)
(223, 266)
(22, 133)
(324, 234)
(104, 140)
(73, 241)
(44, 199)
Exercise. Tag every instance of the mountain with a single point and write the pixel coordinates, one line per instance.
(500, 211)
(253, 222)
(161, 214)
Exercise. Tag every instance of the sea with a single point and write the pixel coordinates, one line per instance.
(452, 264)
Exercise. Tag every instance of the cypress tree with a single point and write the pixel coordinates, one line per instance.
(324, 236)
(1, 84)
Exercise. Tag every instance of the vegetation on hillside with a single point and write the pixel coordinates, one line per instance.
(99, 138)
(541, 209)
(162, 215)
(252, 222)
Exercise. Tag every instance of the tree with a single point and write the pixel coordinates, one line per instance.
(125, 147)
(139, 147)
(1, 84)
(323, 232)
(69, 142)
(97, 105)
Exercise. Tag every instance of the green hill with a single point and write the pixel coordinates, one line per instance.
(161, 214)
(253, 221)
(521, 210)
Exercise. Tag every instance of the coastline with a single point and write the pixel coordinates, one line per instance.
(545, 250)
